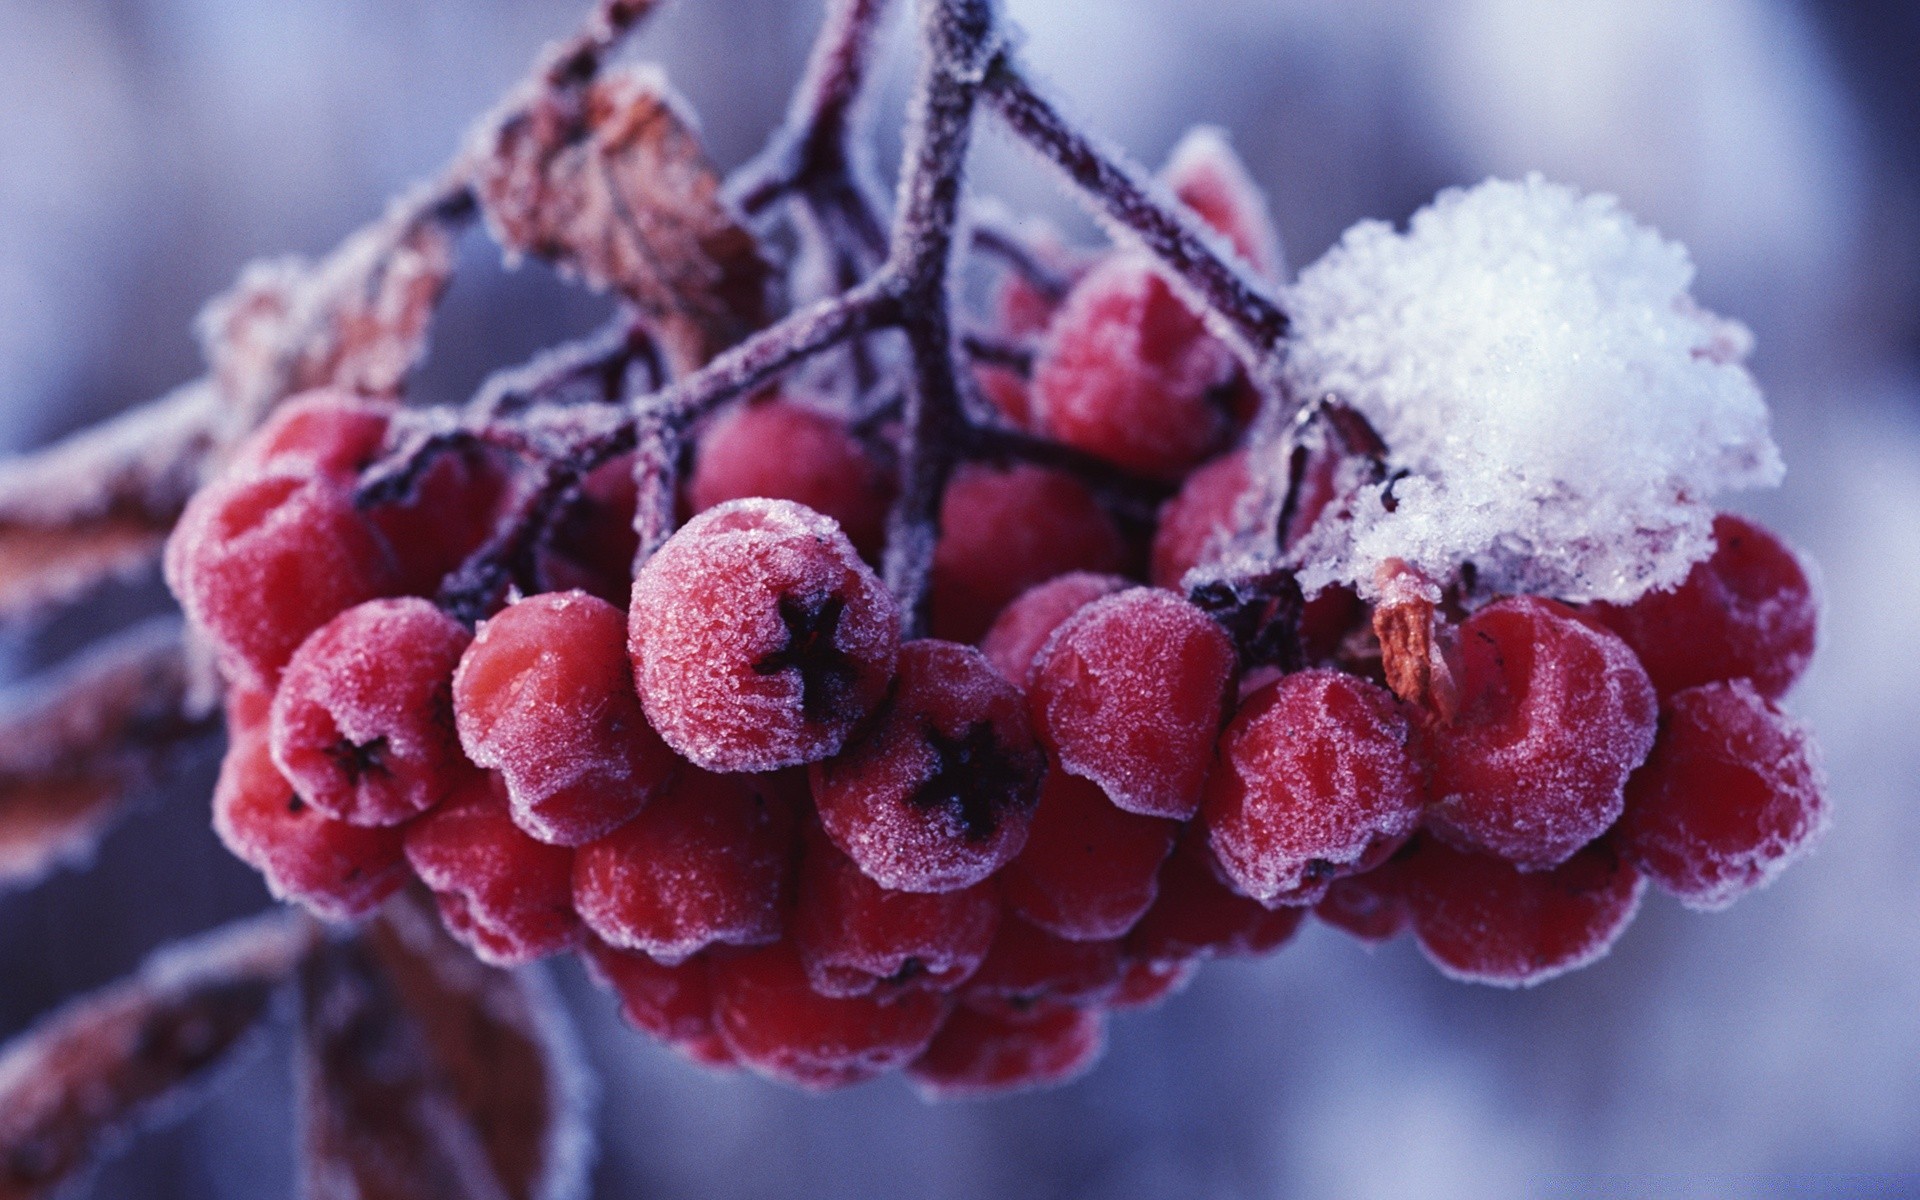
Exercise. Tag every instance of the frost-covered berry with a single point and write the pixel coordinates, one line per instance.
(782, 450)
(1205, 174)
(1554, 715)
(1315, 770)
(940, 792)
(1005, 529)
(673, 1002)
(1029, 968)
(1482, 920)
(1197, 516)
(1370, 906)
(1129, 693)
(451, 510)
(759, 639)
(593, 544)
(1196, 914)
(507, 896)
(544, 696)
(337, 870)
(979, 1054)
(1025, 625)
(1144, 983)
(708, 861)
(326, 431)
(778, 1026)
(1089, 869)
(1129, 373)
(855, 936)
(363, 719)
(260, 561)
(1731, 794)
(1747, 612)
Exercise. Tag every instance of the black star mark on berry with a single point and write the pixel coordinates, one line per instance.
(826, 673)
(975, 778)
(358, 759)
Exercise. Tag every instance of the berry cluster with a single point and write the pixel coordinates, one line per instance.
(789, 839)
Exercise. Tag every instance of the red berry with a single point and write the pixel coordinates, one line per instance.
(1196, 914)
(451, 511)
(1129, 373)
(1313, 772)
(1206, 175)
(1199, 514)
(325, 431)
(780, 1027)
(672, 1002)
(1129, 693)
(1747, 612)
(1089, 869)
(1731, 794)
(507, 896)
(592, 548)
(363, 720)
(261, 561)
(1554, 715)
(339, 871)
(1024, 626)
(1144, 984)
(544, 695)
(854, 935)
(1007, 390)
(1371, 906)
(759, 639)
(978, 1054)
(1029, 968)
(782, 450)
(707, 861)
(1003, 530)
(939, 794)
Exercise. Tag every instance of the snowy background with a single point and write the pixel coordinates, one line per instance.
(150, 147)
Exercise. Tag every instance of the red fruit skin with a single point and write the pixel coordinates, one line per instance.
(363, 719)
(545, 696)
(1129, 373)
(1145, 984)
(776, 448)
(856, 937)
(759, 639)
(260, 561)
(976, 1055)
(1029, 968)
(505, 895)
(454, 507)
(1370, 907)
(1025, 625)
(779, 1027)
(672, 1002)
(326, 431)
(1732, 793)
(1482, 920)
(1314, 770)
(1747, 612)
(708, 861)
(1205, 174)
(1555, 714)
(1090, 870)
(1197, 915)
(1008, 392)
(940, 792)
(1200, 512)
(1129, 693)
(336, 870)
(593, 548)
(1003, 530)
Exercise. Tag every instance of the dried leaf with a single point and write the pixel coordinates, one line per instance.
(606, 179)
(426, 1074)
(1407, 622)
(87, 1075)
(86, 741)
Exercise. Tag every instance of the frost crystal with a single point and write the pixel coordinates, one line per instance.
(1558, 411)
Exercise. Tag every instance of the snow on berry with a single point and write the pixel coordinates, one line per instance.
(1025, 625)
(759, 639)
(1514, 330)
(1555, 713)
(940, 792)
(979, 1054)
(1732, 794)
(1481, 920)
(544, 696)
(363, 720)
(1129, 693)
(708, 861)
(504, 894)
(1314, 771)
(1748, 612)
(1089, 869)
(326, 432)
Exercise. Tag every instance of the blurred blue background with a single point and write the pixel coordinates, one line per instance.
(148, 148)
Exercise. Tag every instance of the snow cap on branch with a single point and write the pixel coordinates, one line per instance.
(1558, 411)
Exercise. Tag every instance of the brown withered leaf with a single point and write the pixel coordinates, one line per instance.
(606, 179)
(83, 743)
(88, 1074)
(426, 1074)
(1411, 632)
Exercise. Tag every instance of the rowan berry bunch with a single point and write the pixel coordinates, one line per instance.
(913, 711)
